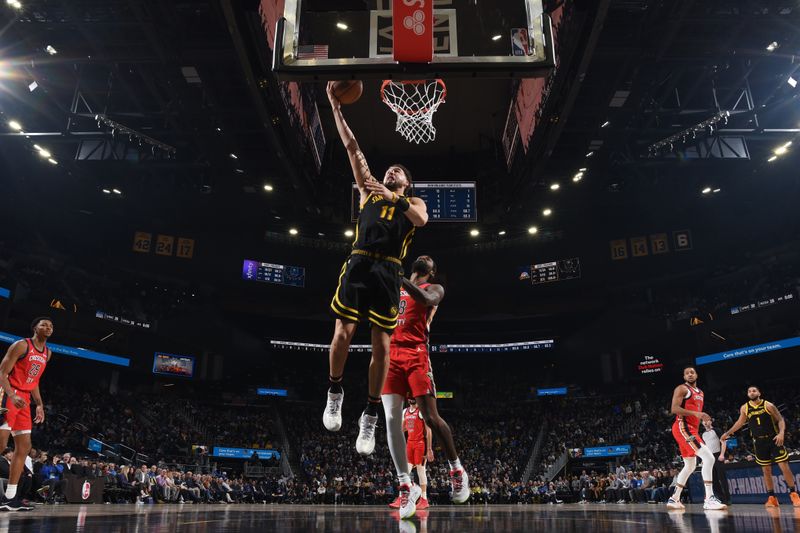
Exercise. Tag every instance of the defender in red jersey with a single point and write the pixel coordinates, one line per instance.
(687, 406)
(410, 374)
(20, 372)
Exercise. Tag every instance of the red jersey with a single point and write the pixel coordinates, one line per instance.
(28, 369)
(412, 321)
(413, 423)
(693, 401)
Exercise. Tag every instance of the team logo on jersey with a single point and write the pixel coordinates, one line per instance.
(699, 398)
(393, 310)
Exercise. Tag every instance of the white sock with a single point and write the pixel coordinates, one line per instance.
(689, 464)
(393, 409)
(455, 465)
(11, 492)
(707, 469)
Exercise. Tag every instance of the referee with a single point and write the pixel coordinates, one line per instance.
(711, 439)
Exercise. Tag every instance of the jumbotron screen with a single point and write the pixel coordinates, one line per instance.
(173, 365)
(446, 202)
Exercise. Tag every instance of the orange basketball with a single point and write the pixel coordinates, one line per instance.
(348, 91)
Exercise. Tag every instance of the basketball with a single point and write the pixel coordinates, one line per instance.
(348, 91)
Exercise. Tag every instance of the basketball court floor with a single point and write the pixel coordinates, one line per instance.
(302, 518)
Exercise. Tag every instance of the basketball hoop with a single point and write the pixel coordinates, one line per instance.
(414, 103)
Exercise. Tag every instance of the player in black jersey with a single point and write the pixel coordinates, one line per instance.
(369, 283)
(767, 428)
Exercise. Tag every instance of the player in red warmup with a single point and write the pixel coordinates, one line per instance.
(687, 406)
(20, 372)
(410, 374)
(419, 449)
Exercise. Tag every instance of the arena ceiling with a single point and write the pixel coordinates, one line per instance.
(192, 76)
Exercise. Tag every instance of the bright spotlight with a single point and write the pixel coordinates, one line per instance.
(547, 212)
(348, 233)
(533, 230)
(50, 50)
(293, 231)
(555, 187)
(706, 190)
(474, 232)
(268, 188)
(14, 125)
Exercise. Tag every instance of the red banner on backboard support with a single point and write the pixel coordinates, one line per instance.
(413, 30)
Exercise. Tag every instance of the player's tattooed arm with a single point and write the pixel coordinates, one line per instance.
(429, 297)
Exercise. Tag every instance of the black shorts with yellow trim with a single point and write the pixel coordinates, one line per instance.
(768, 453)
(369, 289)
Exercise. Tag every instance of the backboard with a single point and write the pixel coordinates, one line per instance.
(354, 39)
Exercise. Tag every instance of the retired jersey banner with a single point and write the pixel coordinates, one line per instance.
(746, 483)
(412, 22)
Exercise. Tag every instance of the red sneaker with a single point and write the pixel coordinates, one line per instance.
(422, 503)
(395, 504)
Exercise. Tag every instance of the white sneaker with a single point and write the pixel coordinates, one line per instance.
(415, 493)
(365, 443)
(674, 505)
(459, 481)
(408, 506)
(712, 503)
(332, 417)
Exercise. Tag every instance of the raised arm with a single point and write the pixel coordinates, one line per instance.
(358, 162)
(413, 208)
(14, 353)
(677, 399)
(429, 297)
(736, 425)
(777, 417)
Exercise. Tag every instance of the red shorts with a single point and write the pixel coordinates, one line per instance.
(18, 421)
(416, 453)
(687, 437)
(409, 371)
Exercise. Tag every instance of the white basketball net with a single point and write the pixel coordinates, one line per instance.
(414, 103)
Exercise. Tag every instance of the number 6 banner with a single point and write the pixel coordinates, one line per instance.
(412, 22)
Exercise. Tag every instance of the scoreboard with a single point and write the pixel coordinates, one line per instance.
(272, 273)
(552, 271)
(447, 202)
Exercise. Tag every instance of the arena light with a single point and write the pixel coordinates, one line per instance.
(782, 149)
(771, 47)
(584, 169)
(116, 191)
(14, 125)
(497, 37)
(605, 124)
(50, 50)
(16, 4)
(349, 233)
(474, 232)
(533, 230)
(502, 232)
(590, 154)
(293, 231)
(45, 154)
(715, 191)
(706, 190)
(233, 156)
(106, 191)
(773, 158)
(577, 177)
(547, 212)
(555, 187)
(52, 161)
(342, 26)
(269, 188)
(791, 81)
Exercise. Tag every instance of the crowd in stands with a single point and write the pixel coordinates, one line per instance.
(494, 442)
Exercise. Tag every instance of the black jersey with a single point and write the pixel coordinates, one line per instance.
(383, 229)
(759, 420)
